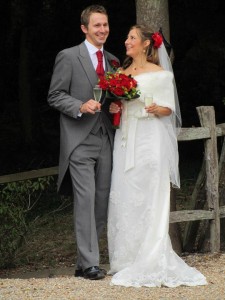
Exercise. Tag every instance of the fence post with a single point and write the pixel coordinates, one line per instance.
(207, 119)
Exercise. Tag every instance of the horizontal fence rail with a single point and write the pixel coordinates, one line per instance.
(186, 134)
(29, 175)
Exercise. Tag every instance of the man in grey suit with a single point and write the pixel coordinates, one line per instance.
(86, 137)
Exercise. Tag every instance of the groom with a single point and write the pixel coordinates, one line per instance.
(86, 136)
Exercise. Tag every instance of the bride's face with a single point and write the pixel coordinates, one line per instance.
(134, 45)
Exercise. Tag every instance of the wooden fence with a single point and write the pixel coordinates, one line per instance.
(209, 133)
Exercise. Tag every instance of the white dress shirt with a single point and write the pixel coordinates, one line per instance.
(92, 52)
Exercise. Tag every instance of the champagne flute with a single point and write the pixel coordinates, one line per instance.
(148, 98)
(97, 94)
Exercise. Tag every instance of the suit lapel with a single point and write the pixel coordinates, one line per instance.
(107, 62)
(87, 65)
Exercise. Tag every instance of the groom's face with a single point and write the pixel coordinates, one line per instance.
(97, 30)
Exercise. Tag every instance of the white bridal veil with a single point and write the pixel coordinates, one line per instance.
(172, 123)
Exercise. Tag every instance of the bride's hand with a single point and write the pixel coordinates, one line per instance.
(158, 110)
(152, 108)
(114, 108)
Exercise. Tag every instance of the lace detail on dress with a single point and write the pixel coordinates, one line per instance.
(165, 270)
(158, 279)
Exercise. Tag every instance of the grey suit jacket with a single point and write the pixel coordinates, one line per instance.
(72, 84)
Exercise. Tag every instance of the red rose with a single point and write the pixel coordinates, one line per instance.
(120, 86)
(157, 38)
(114, 64)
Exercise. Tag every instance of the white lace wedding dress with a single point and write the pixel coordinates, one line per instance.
(145, 161)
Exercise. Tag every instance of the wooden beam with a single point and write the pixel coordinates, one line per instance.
(222, 211)
(190, 215)
(29, 175)
(193, 133)
(199, 133)
(207, 119)
(194, 215)
(220, 129)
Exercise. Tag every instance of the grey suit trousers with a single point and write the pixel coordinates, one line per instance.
(90, 168)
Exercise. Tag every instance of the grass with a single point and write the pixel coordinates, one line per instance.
(50, 243)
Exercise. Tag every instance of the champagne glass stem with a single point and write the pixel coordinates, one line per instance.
(148, 98)
(97, 91)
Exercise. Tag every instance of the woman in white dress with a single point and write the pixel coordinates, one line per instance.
(145, 162)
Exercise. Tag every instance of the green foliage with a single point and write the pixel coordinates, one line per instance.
(12, 228)
(17, 202)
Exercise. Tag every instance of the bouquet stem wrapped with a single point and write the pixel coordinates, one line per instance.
(116, 116)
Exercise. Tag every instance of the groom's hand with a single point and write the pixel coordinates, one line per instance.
(91, 106)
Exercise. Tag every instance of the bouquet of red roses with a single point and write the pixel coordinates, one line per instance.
(119, 86)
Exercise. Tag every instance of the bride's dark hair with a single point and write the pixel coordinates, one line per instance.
(151, 52)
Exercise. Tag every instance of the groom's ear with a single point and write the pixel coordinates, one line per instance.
(84, 29)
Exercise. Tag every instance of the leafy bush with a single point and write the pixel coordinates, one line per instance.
(17, 203)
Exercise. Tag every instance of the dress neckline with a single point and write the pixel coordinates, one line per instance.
(150, 72)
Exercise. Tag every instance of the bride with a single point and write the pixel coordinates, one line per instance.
(145, 162)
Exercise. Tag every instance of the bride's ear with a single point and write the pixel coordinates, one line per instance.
(146, 44)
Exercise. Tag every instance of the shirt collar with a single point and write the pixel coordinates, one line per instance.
(91, 48)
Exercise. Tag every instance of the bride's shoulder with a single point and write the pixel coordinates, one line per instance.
(159, 71)
(153, 67)
(167, 74)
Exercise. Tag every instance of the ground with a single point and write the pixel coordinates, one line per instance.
(49, 244)
(45, 264)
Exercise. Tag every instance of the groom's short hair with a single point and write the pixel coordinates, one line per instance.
(86, 13)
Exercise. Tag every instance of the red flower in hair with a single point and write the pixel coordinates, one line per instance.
(157, 38)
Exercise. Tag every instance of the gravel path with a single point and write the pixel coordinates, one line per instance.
(66, 286)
